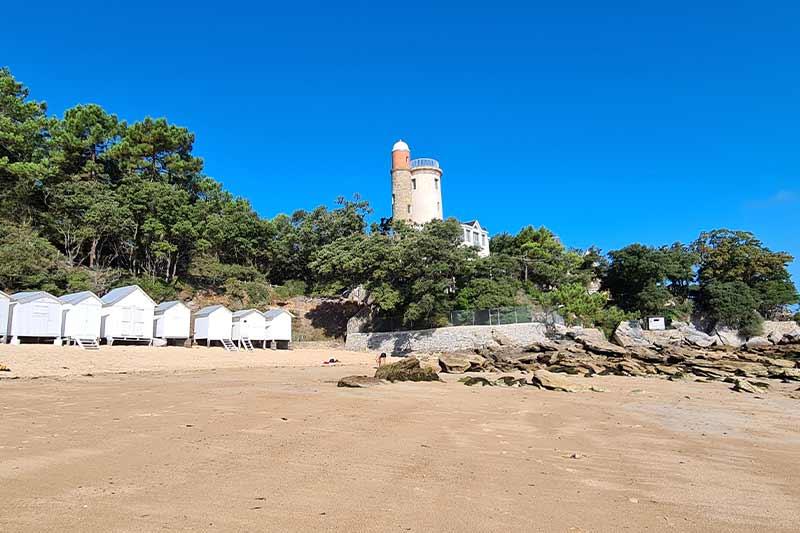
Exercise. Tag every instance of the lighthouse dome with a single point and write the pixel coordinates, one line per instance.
(400, 146)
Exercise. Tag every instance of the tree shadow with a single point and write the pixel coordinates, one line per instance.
(331, 316)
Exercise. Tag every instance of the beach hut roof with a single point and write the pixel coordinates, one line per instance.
(163, 306)
(29, 296)
(208, 310)
(272, 313)
(115, 295)
(77, 297)
(244, 312)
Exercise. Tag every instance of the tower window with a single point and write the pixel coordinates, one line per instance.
(409, 208)
(436, 181)
(393, 199)
(438, 207)
(414, 184)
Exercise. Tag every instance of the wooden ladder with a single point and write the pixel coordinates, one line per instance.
(87, 344)
(229, 345)
(247, 343)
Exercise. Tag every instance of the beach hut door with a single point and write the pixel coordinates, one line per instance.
(138, 322)
(40, 317)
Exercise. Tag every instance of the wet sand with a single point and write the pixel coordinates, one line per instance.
(277, 446)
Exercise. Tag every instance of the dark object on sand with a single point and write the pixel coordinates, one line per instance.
(357, 382)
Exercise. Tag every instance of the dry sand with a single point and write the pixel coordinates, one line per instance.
(276, 446)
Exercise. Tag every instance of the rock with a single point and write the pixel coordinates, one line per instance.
(784, 363)
(509, 381)
(790, 338)
(428, 361)
(729, 336)
(630, 368)
(786, 374)
(742, 385)
(454, 363)
(754, 343)
(775, 331)
(471, 381)
(694, 337)
(541, 345)
(594, 341)
(629, 333)
(4, 368)
(501, 338)
(550, 381)
(408, 369)
(356, 382)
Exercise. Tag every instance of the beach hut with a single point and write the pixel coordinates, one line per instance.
(172, 321)
(80, 319)
(34, 315)
(5, 300)
(214, 323)
(279, 327)
(127, 315)
(249, 325)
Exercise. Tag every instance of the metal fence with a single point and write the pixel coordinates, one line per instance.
(503, 315)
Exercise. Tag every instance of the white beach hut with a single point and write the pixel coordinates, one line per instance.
(80, 318)
(249, 325)
(172, 321)
(5, 300)
(279, 327)
(127, 315)
(34, 315)
(214, 323)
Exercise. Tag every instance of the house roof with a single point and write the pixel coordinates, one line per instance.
(245, 312)
(163, 306)
(272, 313)
(115, 295)
(29, 296)
(208, 310)
(77, 297)
(474, 224)
(4, 294)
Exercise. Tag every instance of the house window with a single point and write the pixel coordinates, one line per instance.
(483, 240)
(475, 239)
(414, 184)
(408, 207)
(466, 235)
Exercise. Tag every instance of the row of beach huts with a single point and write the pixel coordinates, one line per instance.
(128, 314)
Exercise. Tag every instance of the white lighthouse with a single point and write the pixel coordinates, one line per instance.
(416, 187)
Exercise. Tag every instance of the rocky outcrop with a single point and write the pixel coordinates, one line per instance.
(358, 382)
(629, 334)
(408, 369)
(729, 337)
(551, 381)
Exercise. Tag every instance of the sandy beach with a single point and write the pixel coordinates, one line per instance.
(205, 440)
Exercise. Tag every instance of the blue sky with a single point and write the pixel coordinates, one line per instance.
(628, 122)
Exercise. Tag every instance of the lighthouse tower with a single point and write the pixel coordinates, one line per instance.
(416, 187)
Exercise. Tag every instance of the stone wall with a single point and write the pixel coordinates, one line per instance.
(446, 339)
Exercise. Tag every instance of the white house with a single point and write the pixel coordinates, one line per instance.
(474, 235)
(5, 300)
(127, 315)
(81, 314)
(213, 323)
(249, 324)
(279, 327)
(35, 315)
(172, 320)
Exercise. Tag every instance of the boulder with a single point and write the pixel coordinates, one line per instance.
(550, 381)
(471, 381)
(742, 385)
(428, 361)
(408, 369)
(357, 382)
(629, 334)
(754, 343)
(594, 341)
(509, 381)
(729, 337)
(664, 338)
(458, 363)
(694, 337)
(775, 331)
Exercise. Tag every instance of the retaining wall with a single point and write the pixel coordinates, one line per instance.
(446, 339)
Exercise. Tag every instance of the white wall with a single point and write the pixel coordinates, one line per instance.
(280, 328)
(82, 319)
(215, 327)
(39, 318)
(4, 301)
(252, 325)
(130, 317)
(173, 323)
(426, 198)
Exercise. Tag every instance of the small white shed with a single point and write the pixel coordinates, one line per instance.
(172, 320)
(249, 324)
(35, 315)
(213, 323)
(5, 300)
(127, 315)
(279, 327)
(80, 316)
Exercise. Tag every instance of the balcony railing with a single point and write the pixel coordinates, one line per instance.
(424, 162)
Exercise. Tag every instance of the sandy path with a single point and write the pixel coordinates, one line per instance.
(270, 449)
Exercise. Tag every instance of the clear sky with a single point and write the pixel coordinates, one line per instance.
(628, 122)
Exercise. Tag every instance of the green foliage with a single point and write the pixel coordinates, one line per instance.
(734, 304)
(290, 289)
(28, 261)
(247, 294)
(157, 289)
